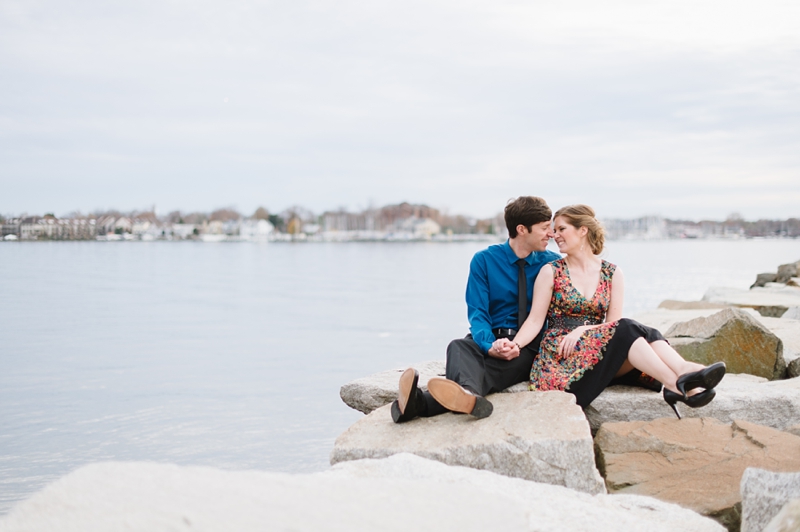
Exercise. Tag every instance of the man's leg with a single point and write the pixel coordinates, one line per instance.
(479, 374)
(464, 366)
(501, 374)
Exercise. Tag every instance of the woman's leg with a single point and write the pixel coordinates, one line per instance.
(626, 368)
(673, 359)
(644, 358)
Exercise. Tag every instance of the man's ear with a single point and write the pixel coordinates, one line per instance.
(521, 229)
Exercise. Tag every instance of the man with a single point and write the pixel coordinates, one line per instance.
(499, 292)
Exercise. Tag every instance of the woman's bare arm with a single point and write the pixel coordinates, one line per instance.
(542, 292)
(617, 297)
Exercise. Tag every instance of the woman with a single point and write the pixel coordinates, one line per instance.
(588, 342)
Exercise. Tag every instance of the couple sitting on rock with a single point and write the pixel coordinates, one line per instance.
(586, 345)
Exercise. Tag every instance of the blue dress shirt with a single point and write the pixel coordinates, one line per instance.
(492, 300)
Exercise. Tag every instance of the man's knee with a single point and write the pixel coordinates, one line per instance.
(461, 345)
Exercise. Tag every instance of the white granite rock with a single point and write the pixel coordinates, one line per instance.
(371, 392)
(787, 520)
(771, 300)
(549, 507)
(401, 493)
(764, 493)
(540, 436)
(773, 404)
(788, 330)
(147, 497)
(793, 313)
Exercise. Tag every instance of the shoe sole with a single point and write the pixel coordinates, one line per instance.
(714, 375)
(408, 383)
(456, 399)
(702, 398)
(708, 379)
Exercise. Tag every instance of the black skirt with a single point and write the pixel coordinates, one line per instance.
(603, 374)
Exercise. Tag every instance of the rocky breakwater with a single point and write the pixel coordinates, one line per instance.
(787, 274)
(535, 436)
(696, 463)
(754, 421)
(772, 295)
(400, 493)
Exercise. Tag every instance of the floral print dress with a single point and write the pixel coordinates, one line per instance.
(599, 353)
(552, 371)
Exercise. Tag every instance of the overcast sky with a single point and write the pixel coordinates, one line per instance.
(679, 108)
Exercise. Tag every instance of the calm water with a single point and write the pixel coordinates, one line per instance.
(232, 355)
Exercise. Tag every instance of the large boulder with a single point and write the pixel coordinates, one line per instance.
(396, 494)
(763, 278)
(371, 392)
(774, 404)
(786, 327)
(786, 272)
(540, 436)
(549, 507)
(733, 336)
(764, 493)
(772, 300)
(788, 330)
(697, 463)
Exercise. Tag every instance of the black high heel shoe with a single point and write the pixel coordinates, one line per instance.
(694, 401)
(707, 378)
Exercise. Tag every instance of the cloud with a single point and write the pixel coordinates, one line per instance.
(643, 107)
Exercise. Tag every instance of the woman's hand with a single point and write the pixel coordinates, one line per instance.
(504, 349)
(567, 344)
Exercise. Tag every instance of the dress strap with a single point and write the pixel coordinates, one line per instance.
(607, 270)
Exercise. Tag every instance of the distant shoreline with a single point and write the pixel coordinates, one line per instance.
(443, 240)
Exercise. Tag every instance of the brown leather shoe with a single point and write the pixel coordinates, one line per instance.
(455, 398)
(405, 407)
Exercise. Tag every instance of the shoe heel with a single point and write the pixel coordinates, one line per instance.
(671, 398)
(483, 408)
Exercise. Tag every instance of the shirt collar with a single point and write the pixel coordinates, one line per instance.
(512, 257)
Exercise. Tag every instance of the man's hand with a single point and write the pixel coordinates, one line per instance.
(504, 349)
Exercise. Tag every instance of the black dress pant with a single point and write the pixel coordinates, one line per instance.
(480, 373)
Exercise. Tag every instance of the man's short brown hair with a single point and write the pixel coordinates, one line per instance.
(526, 210)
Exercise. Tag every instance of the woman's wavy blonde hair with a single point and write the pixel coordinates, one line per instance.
(583, 216)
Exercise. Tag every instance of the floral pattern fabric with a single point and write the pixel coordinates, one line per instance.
(552, 371)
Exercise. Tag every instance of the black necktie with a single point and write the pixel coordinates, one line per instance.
(522, 287)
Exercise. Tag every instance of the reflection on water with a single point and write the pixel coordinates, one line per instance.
(232, 355)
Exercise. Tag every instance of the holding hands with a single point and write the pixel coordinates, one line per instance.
(504, 349)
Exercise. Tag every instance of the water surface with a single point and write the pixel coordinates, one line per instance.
(232, 355)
